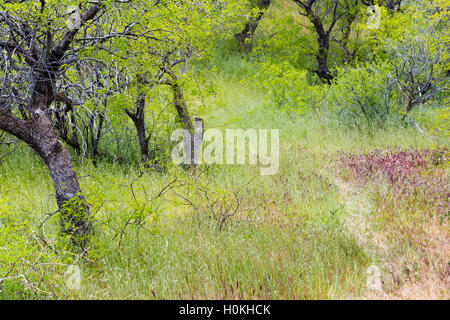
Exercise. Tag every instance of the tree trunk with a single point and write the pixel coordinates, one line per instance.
(71, 203)
(185, 119)
(143, 141)
(323, 41)
(38, 130)
(252, 24)
(40, 134)
(322, 58)
(195, 129)
(96, 134)
(323, 34)
(180, 106)
(138, 118)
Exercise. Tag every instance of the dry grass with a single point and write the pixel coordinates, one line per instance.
(409, 231)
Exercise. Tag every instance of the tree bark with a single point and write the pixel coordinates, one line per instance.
(74, 211)
(322, 58)
(40, 134)
(183, 116)
(96, 134)
(323, 41)
(178, 100)
(180, 106)
(138, 118)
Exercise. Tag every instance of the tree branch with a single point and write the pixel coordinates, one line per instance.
(13, 125)
(59, 51)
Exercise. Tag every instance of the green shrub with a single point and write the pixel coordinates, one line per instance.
(363, 95)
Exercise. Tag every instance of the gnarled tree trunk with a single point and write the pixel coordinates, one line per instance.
(74, 210)
(40, 134)
(196, 129)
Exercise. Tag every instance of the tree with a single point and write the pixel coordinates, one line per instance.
(324, 15)
(419, 59)
(416, 74)
(144, 83)
(37, 47)
(259, 7)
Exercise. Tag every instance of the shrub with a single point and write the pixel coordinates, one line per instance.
(363, 95)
